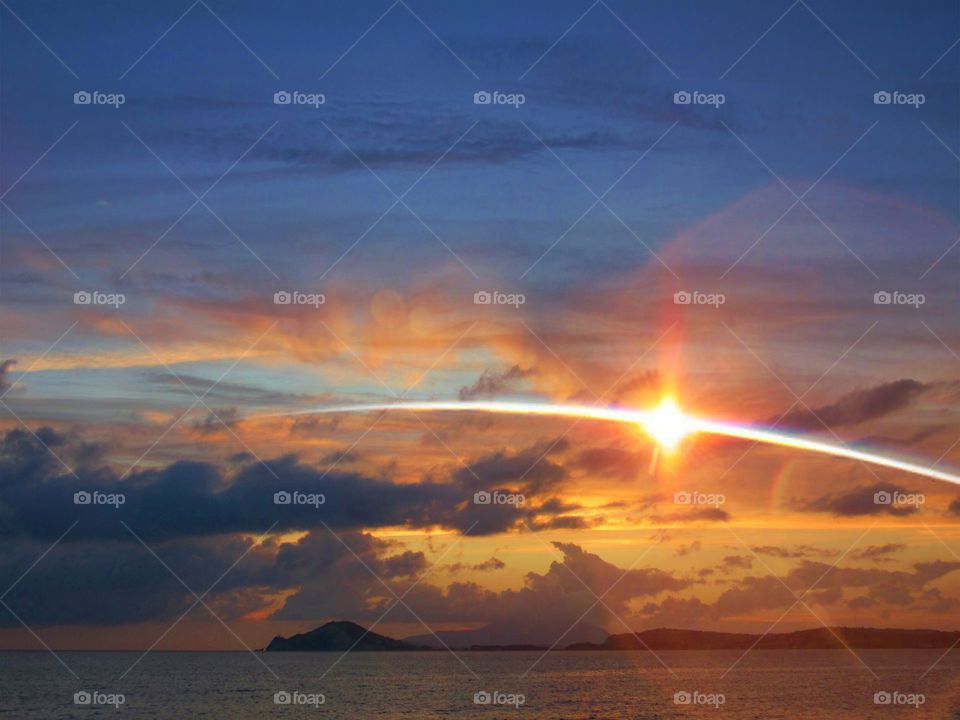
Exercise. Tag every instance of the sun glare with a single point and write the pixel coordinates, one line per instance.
(667, 424)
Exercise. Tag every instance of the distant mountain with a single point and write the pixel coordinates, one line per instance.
(338, 636)
(817, 639)
(342, 635)
(534, 634)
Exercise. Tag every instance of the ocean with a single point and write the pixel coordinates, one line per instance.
(767, 685)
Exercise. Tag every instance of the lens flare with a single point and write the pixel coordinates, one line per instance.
(666, 424)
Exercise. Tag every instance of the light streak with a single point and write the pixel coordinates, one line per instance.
(666, 424)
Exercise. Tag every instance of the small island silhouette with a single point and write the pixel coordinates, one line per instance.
(342, 635)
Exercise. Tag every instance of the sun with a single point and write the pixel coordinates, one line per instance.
(667, 424)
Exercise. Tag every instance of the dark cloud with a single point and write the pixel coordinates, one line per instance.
(488, 565)
(565, 522)
(5, 367)
(914, 438)
(113, 582)
(195, 498)
(189, 498)
(490, 383)
(732, 562)
(860, 501)
(795, 551)
(857, 406)
(878, 553)
(216, 420)
(683, 550)
(340, 457)
(530, 471)
(315, 425)
(402, 138)
(709, 514)
(954, 508)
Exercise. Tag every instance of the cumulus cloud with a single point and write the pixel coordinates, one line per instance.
(857, 406)
(547, 605)
(490, 383)
(855, 588)
(189, 498)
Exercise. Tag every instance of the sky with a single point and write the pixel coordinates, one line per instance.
(780, 203)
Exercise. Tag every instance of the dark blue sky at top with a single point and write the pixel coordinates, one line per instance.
(399, 99)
